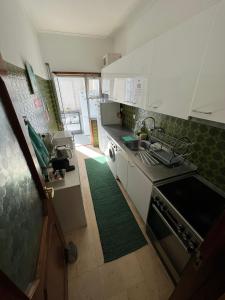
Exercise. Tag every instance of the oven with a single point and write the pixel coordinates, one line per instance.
(181, 213)
(173, 238)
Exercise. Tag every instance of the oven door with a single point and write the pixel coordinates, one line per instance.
(170, 248)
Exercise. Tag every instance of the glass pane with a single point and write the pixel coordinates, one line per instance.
(93, 88)
(72, 92)
(93, 108)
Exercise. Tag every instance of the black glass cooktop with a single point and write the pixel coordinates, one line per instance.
(199, 204)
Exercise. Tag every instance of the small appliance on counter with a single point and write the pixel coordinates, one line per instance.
(63, 138)
(63, 151)
(181, 213)
(60, 156)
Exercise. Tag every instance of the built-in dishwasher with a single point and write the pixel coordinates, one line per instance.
(180, 215)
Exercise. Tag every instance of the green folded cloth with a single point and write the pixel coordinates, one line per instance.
(128, 138)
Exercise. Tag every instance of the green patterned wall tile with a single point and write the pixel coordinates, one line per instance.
(209, 142)
(17, 80)
(47, 97)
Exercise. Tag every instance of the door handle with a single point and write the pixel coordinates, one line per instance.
(49, 192)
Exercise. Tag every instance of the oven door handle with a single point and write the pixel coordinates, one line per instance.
(171, 229)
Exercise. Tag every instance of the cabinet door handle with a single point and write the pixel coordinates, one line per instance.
(202, 112)
(154, 106)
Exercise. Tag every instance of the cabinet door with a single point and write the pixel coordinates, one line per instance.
(139, 188)
(209, 99)
(119, 89)
(130, 76)
(176, 64)
(103, 139)
(107, 85)
(122, 163)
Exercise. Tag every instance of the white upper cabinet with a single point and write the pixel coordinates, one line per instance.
(176, 63)
(119, 89)
(108, 85)
(130, 76)
(209, 98)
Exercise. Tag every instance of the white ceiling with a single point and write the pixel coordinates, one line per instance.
(82, 17)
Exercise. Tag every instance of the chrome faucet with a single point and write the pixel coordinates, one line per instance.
(143, 121)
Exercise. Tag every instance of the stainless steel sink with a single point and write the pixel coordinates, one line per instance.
(138, 145)
(142, 151)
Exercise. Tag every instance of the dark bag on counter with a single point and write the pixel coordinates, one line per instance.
(61, 163)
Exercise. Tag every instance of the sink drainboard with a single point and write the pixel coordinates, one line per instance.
(146, 158)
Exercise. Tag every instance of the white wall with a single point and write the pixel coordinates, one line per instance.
(18, 38)
(73, 53)
(152, 18)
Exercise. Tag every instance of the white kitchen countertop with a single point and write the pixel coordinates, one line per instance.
(155, 172)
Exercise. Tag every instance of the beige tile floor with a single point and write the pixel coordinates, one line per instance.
(137, 276)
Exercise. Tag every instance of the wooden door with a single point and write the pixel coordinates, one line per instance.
(204, 276)
(28, 215)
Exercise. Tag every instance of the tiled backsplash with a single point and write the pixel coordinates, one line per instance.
(209, 142)
(24, 101)
(46, 93)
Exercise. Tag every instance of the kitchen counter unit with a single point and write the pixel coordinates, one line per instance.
(155, 172)
(68, 200)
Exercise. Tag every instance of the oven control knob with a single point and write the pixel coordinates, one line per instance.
(185, 236)
(157, 201)
(180, 228)
(162, 206)
(188, 236)
(191, 246)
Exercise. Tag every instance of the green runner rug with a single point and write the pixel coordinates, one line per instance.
(118, 229)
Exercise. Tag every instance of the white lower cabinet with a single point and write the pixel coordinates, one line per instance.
(139, 188)
(122, 164)
(103, 141)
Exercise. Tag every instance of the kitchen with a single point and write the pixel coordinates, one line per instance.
(140, 216)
